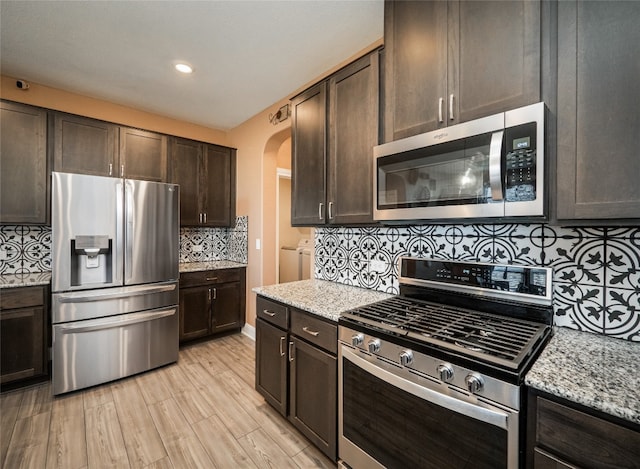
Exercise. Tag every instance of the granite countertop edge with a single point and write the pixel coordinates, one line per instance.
(321, 297)
(596, 371)
(35, 279)
(209, 265)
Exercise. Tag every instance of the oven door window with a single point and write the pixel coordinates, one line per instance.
(452, 173)
(401, 430)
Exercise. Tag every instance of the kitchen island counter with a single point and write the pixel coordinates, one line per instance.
(25, 280)
(599, 372)
(321, 297)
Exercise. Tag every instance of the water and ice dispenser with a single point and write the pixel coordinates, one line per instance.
(91, 260)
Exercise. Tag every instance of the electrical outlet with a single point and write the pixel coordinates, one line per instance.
(377, 266)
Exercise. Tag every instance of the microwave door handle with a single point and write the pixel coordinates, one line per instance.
(495, 165)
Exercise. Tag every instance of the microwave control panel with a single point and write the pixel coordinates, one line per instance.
(521, 163)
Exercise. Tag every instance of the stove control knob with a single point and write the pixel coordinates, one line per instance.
(446, 372)
(406, 357)
(373, 346)
(357, 340)
(474, 383)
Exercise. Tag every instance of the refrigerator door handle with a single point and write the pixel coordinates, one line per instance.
(119, 257)
(100, 295)
(110, 323)
(129, 230)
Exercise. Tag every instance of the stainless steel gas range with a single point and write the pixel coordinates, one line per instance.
(433, 378)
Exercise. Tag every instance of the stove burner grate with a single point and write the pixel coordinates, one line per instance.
(497, 339)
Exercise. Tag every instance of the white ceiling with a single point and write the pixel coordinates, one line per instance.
(247, 55)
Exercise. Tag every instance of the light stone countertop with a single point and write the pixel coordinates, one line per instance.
(596, 371)
(24, 280)
(326, 299)
(210, 265)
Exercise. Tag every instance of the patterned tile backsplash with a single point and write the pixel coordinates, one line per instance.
(28, 248)
(596, 270)
(215, 244)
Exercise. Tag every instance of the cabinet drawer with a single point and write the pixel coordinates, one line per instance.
(204, 277)
(315, 330)
(21, 297)
(583, 439)
(275, 313)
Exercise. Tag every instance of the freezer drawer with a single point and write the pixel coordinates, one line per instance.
(86, 353)
(93, 304)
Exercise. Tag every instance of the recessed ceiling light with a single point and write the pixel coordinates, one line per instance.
(184, 68)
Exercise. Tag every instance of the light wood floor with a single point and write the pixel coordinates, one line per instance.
(202, 412)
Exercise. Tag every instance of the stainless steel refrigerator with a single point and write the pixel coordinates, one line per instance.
(115, 254)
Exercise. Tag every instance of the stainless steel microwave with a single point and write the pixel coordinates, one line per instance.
(487, 168)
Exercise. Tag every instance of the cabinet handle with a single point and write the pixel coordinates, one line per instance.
(330, 210)
(215, 293)
(200, 218)
(121, 170)
(310, 332)
(268, 313)
(209, 294)
(282, 339)
(212, 279)
(290, 351)
(451, 116)
(204, 216)
(440, 103)
(320, 210)
(110, 169)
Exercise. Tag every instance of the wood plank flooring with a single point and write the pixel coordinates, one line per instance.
(202, 412)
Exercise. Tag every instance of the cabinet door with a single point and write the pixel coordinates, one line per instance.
(598, 118)
(195, 312)
(271, 364)
(184, 158)
(313, 395)
(22, 343)
(415, 67)
(494, 57)
(85, 146)
(226, 312)
(308, 157)
(353, 132)
(217, 184)
(143, 154)
(24, 171)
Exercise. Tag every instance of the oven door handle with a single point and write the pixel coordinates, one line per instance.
(496, 417)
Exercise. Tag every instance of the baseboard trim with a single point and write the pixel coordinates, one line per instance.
(249, 331)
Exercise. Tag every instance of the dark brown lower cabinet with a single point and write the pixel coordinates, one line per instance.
(297, 370)
(271, 364)
(211, 301)
(563, 435)
(23, 338)
(313, 390)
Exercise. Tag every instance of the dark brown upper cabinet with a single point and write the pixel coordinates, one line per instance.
(24, 165)
(598, 166)
(85, 146)
(450, 62)
(206, 174)
(89, 146)
(334, 130)
(143, 155)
